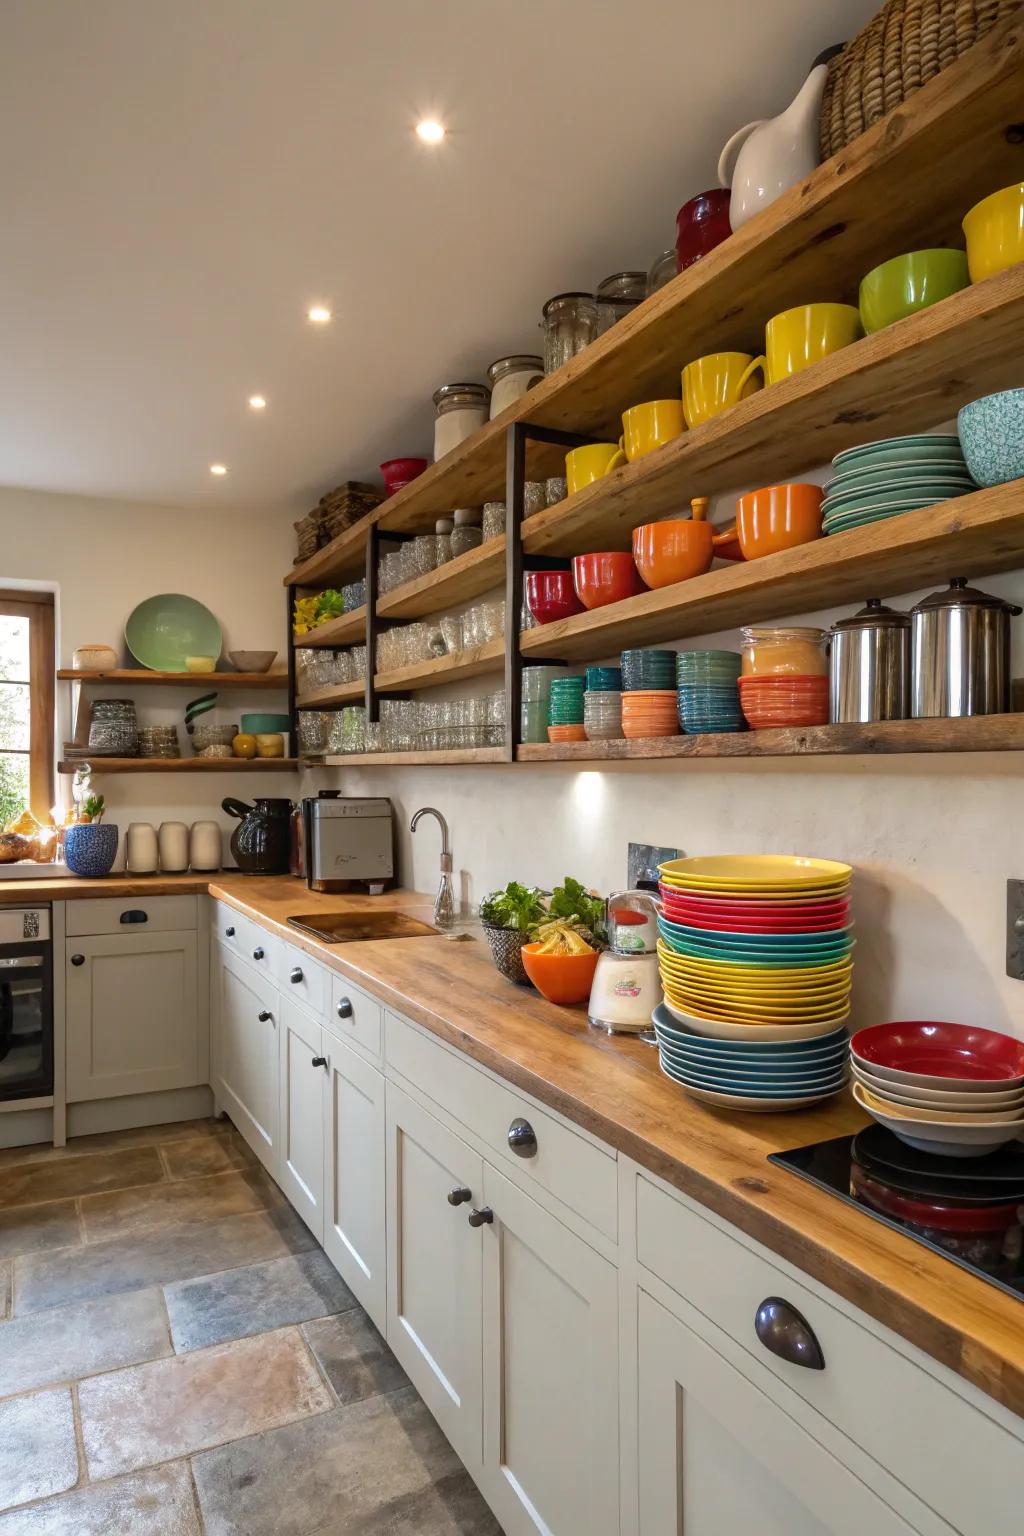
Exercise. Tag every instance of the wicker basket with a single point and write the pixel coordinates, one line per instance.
(898, 51)
(309, 534)
(506, 946)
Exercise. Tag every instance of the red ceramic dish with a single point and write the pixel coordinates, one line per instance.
(605, 577)
(701, 224)
(731, 925)
(550, 595)
(921, 1048)
(398, 472)
(832, 906)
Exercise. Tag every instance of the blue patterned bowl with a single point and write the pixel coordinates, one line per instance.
(992, 437)
(91, 849)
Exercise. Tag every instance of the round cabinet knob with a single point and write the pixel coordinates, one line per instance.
(459, 1196)
(229, 933)
(257, 954)
(319, 1061)
(481, 1218)
(77, 959)
(522, 1138)
(264, 1016)
(345, 1009)
(787, 1334)
(296, 976)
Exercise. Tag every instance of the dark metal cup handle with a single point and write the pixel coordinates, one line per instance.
(787, 1334)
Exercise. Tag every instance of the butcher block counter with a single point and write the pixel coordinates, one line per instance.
(613, 1088)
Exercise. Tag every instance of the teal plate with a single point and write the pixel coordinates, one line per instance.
(918, 447)
(665, 1023)
(163, 630)
(897, 470)
(921, 491)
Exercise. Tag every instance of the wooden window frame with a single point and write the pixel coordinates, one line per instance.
(37, 607)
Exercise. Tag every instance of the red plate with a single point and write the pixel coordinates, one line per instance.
(941, 1050)
(733, 925)
(745, 910)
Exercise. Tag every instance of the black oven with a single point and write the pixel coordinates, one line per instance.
(26, 1003)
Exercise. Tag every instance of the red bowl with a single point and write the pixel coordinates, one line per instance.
(701, 224)
(550, 595)
(605, 577)
(398, 472)
(949, 1052)
(830, 906)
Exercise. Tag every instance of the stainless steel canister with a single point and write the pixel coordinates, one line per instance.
(869, 666)
(960, 653)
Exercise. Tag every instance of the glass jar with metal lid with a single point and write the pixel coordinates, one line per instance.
(570, 324)
(510, 377)
(460, 409)
(960, 653)
(617, 295)
(869, 666)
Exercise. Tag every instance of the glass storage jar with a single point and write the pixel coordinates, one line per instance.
(792, 652)
(570, 324)
(510, 378)
(617, 295)
(460, 410)
(663, 269)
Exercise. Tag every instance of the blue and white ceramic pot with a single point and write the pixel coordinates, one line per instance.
(91, 848)
(991, 434)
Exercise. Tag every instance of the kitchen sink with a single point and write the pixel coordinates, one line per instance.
(350, 927)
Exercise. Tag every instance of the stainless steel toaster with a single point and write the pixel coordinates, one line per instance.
(349, 841)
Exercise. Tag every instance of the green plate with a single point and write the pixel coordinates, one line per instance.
(163, 630)
(898, 469)
(921, 491)
(861, 519)
(918, 447)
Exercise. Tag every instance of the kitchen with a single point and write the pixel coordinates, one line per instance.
(437, 1232)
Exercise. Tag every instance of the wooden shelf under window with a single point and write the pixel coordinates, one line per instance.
(444, 669)
(455, 582)
(143, 677)
(100, 765)
(347, 629)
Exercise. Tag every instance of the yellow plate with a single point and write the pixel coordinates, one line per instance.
(691, 1004)
(826, 1020)
(753, 999)
(726, 971)
(834, 891)
(755, 871)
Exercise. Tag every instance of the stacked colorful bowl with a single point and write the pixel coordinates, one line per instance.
(897, 474)
(785, 676)
(648, 713)
(602, 715)
(565, 710)
(953, 1090)
(777, 701)
(706, 691)
(604, 679)
(648, 670)
(756, 949)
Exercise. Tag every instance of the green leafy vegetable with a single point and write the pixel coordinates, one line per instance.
(572, 900)
(329, 605)
(517, 906)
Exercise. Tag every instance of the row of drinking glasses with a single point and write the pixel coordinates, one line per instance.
(446, 635)
(407, 725)
(326, 669)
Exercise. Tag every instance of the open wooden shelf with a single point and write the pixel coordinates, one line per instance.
(455, 582)
(337, 693)
(971, 535)
(981, 733)
(349, 629)
(198, 680)
(458, 756)
(182, 764)
(343, 559)
(445, 669)
(905, 378)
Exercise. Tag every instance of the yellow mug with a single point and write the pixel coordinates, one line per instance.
(646, 427)
(591, 462)
(802, 336)
(712, 383)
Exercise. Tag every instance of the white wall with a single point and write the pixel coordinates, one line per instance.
(103, 557)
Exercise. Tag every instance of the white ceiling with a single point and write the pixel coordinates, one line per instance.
(180, 179)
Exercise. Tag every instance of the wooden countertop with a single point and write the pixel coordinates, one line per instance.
(612, 1087)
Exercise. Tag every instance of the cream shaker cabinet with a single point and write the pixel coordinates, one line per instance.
(354, 1196)
(246, 1072)
(133, 1016)
(302, 1079)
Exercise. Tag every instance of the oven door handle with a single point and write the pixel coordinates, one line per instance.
(21, 962)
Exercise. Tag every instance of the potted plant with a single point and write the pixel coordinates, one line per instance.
(90, 844)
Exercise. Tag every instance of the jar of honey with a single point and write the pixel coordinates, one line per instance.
(793, 652)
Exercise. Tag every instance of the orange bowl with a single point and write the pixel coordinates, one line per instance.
(778, 517)
(672, 551)
(560, 978)
(606, 576)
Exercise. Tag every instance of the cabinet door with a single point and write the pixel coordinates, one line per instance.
(247, 1056)
(302, 1085)
(433, 1263)
(551, 1379)
(354, 1136)
(132, 1014)
(718, 1456)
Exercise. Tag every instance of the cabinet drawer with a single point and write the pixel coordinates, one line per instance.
(870, 1391)
(355, 1017)
(569, 1167)
(248, 940)
(117, 914)
(300, 978)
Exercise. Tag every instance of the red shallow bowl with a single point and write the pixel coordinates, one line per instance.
(606, 576)
(398, 472)
(550, 595)
(828, 906)
(924, 1048)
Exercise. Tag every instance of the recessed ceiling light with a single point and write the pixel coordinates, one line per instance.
(257, 402)
(430, 130)
(318, 313)
(218, 469)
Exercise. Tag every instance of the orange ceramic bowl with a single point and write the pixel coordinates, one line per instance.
(778, 517)
(560, 978)
(605, 577)
(673, 551)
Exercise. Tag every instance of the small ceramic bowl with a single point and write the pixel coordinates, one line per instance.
(252, 661)
(605, 576)
(905, 284)
(564, 979)
(992, 437)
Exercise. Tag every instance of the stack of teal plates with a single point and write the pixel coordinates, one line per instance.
(648, 671)
(898, 474)
(604, 679)
(706, 688)
(565, 705)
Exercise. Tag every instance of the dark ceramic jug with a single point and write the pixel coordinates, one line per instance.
(260, 842)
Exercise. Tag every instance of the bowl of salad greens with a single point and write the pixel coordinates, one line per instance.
(518, 914)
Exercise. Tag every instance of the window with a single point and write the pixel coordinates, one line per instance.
(26, 704)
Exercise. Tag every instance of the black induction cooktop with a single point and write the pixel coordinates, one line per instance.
(969, 1210)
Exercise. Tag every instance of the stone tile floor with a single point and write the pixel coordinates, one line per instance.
(178, 1356)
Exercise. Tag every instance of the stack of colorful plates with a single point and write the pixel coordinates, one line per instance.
(650, 713)
(757, 942)
(648, 670)
(565, 701)
(784, 700)
(604, 679)
(949, 1089)
(706, 691)
(898, 474)
(766, 1069)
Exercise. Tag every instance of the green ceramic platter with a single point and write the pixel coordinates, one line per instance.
(163, 630)
(921, 491)
(897, 469)
(924, 445)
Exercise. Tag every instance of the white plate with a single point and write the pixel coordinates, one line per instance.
(938, 1114)
(766, 1033)
(947, 1139)
(944, 1084)
(932, 1098)
(756, 1106)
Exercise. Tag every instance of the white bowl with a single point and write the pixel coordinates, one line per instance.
(944, 1138)
(719, 1030)
(977, 1103)
(944, 1084)
(936, 1114)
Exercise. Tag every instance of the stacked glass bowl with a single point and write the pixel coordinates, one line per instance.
(648, 670)
(565, 709)
(536, 687)
(708, 692)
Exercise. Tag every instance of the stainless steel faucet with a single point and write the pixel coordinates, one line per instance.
(444, 904)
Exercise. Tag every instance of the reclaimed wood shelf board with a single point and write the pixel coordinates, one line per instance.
(455, 582)
(181, 764)
(198, 680)
(349, 629)
(445, 669)
(337, 693)
(453, 757)
(343, 559)
(973, 535)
